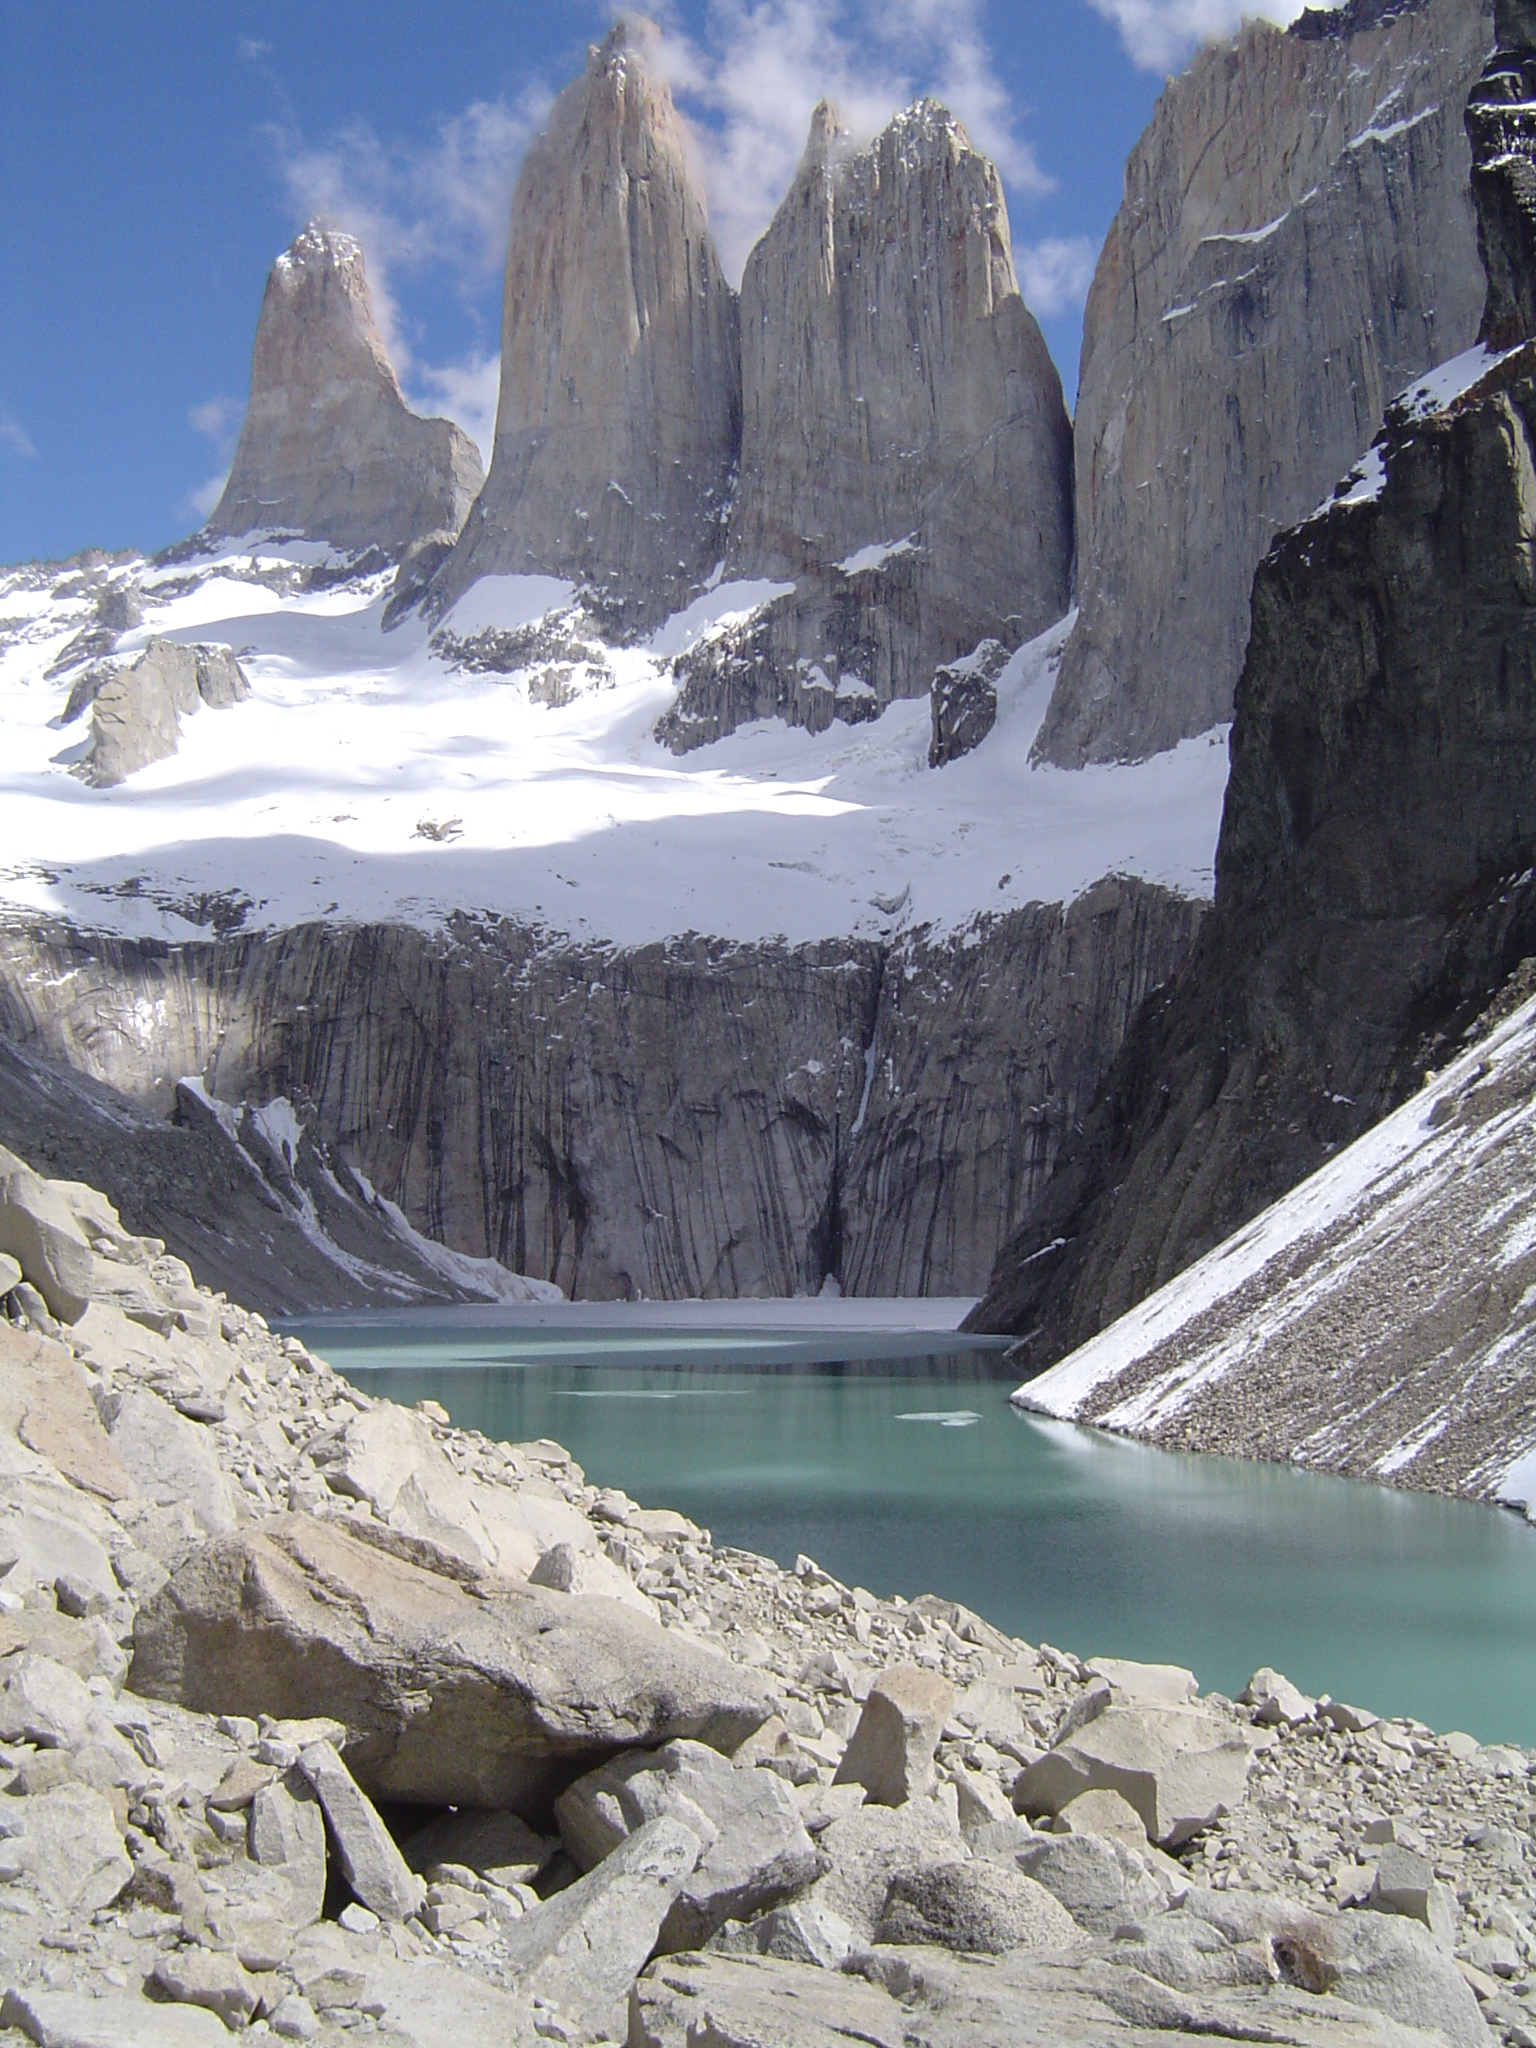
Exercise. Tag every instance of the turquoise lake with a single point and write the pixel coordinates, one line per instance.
(895, 1460)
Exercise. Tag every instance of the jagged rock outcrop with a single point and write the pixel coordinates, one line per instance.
(1501, 128)
(691, 1119)
(272, 1217)
(1294, 247)
(136, 713)
(329, 449)
(1373, 878)
(906, 454)
(619, 420)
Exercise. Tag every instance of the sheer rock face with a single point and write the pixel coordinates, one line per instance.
(680, 1120)
(329, 448)
(619, 420)
(906, 454)
(1501, 127)
(1374, 883)
(1296, 244)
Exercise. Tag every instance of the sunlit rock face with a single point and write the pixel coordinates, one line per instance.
(906, 454)
(1296, 245)
(619, 419)
(329, 448)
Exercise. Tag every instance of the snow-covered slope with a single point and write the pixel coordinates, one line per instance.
(383, 775)
(1380, 1320)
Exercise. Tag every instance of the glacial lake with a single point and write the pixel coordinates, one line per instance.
(892, 1457)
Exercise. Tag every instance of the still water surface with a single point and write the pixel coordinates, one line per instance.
(895, 1460)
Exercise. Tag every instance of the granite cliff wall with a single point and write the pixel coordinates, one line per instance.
(906, 457)
(694, 1119)
(1296, 244)
(1374, 873)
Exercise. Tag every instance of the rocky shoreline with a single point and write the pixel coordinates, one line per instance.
(323, 1718)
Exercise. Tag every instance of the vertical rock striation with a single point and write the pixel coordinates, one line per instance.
(1294, 247)
(329, 449)
(619, 419)
(906, 454)
(679, 1120)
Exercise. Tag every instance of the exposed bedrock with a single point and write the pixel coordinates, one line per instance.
(619, 420)
(329, 448)
(680, 1120)
(906, 457)
(1373, 874)
(1295, 245)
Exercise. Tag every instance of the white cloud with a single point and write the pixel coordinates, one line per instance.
(466, 393)
(747, 85)
(752, 81)
(218, 421)
(14, 436)
(441, 207)
(1159, 34)
(201, 502)
(1054, 275)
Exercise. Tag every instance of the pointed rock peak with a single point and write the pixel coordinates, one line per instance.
(632, 35)
(1501, 127)
(619, 417)
(320, 284)
(329, 449)
(828, 139)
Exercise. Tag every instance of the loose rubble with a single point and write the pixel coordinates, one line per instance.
(326, 1720)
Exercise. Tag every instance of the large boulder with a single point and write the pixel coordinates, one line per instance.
(1181, 1768)
(171, 1460)
(39, 1231)
(755, 1852)
(1099, 1881)
(583, 1949)
(370, 1862)
(868, 1847)
(68, 1843)
(891, 1750)
(390, 1458)
(46, 1402)
(449, 1699)
(975, 1907)
(285, 1836)
(120, 2019)
(136, 714)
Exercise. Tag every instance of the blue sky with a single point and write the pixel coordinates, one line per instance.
(154, 158)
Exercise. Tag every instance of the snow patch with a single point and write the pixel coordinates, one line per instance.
(503, 604)
(1442, 387)
(485, 1277)
(1384, 1176)
(875, 555)
(721, 606)
(305, 802)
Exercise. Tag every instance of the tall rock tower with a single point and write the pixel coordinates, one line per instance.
(906, 455)
(1295, 245)
(1501, 127)
(619, 419)
(329, 449)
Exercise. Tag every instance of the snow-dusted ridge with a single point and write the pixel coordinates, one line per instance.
(371, 776)
(1379, 1320)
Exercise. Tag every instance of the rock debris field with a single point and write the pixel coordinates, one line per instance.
(323, 1719)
